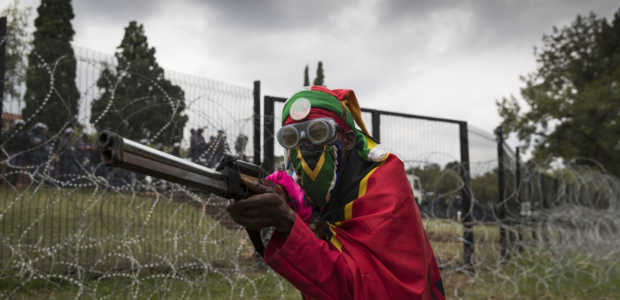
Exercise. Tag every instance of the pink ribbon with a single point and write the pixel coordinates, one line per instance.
(295, 193)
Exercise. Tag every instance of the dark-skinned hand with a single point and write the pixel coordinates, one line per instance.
(266, 208)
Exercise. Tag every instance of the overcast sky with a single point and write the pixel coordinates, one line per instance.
(449, 59)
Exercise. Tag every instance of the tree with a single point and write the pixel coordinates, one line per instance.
(320, 77)
(444, 182)
(573, 96)
(137, 101)
(485, 188)
(306, 78)
(17, 45)
(51, 93)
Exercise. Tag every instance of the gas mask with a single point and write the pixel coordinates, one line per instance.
(316, 162)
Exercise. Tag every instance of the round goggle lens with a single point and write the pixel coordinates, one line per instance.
(318, 132)
(288, 137)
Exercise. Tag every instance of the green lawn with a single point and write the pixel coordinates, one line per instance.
(68, 243)
(214, 285)
(539, 272)
(87, 225)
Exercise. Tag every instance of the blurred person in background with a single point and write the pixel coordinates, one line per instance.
(346, 226)
(201, 144)
(240, 144)
(193, 143)
(84, 149)
(65, 151)
(217, 149)
(17, 150)
(41, 150)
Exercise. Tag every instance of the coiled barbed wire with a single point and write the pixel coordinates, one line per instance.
(96, 232)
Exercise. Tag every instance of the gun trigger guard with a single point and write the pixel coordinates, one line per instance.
(233, 181)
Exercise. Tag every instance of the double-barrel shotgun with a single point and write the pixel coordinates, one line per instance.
(230, 179)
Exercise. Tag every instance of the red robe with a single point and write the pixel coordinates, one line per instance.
(378, 251)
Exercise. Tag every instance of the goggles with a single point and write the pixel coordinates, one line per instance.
(317, 131)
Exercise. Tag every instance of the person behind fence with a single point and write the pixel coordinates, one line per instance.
(84, 150)
(217, 149)
(65, 150)
(193, 144)
(41, 150)
(201, 144)
(348, 227)
(240, 143)
(17, 147)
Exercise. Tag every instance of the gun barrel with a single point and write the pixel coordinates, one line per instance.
(118, 151)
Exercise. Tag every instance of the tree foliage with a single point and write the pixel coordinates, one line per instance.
(573, 96)
(137, 101)
(17, 44)
(306, 77)
(446, 183)
(51, 93)
(443, 182)
(485, 188)
(320, 76)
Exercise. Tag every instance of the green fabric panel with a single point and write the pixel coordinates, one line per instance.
(361, 144)
(320, 187)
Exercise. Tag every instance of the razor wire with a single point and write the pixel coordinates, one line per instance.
(68, 221)
(86, 230)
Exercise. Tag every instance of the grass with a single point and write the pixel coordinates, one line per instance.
(537, 273)
(538, 276)
(446, 237)
(265, 285)
(63, 243)
(90, 223)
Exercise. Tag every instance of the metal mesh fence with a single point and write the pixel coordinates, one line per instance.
(69, 224)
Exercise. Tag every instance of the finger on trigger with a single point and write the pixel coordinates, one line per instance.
(257, 187)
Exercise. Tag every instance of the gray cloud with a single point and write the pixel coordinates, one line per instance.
(116, 11)
(495, 23)
(398, 23)
(273, 14)
(442, 58)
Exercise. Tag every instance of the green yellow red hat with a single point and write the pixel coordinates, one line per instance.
(343, 104)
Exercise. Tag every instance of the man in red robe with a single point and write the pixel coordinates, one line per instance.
(349, 228)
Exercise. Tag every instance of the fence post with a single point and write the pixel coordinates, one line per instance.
(468, 232)
(501, 186)
(534, 202)
(268, 133)
(519, 217)
(376, 126)
(256, 122)
(545, 208)
(3, 43)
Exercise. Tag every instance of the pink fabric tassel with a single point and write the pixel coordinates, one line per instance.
(294, 192)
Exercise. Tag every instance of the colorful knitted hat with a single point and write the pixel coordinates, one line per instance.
(342, 106)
